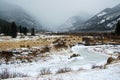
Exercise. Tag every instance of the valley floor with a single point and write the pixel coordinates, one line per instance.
(78, 62)
(111, 73)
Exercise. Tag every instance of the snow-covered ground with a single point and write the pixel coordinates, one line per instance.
(109, 50)
(19, 38)
(81, 66)
(111, 73)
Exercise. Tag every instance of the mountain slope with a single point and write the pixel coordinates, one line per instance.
(10, 12)
(4, 25)
(3, 22)
(103, 21)
(74, 22)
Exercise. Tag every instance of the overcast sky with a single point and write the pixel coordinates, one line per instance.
(55, 12)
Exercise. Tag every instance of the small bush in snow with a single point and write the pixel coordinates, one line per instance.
(28, 46)
(59, 43)
(6, 55)
(118, 57)
(44, 49)
(45, 71)
(74, 55)
(64, 70)
(22, 46)
(109, 60)
(99, 67)
(5, 74)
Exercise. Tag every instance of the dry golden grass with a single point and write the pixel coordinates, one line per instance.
(70, 40)
(24, 43)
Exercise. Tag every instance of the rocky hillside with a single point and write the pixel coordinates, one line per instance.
(73, 22)
(103, 21)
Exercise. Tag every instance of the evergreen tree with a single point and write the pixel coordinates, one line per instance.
(13, 30)
(25, 30)
(20, 30)
(32, 32)
(7, 30)
(117, 30)
(4, 30)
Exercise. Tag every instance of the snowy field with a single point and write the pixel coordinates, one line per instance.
(111, 73)
(81, 67)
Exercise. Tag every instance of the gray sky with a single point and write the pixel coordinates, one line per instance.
(55, 12)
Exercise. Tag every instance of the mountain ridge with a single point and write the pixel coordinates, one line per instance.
(103, 21)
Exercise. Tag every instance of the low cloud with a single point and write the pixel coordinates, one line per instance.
(52, 13)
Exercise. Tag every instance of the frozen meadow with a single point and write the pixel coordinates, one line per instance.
(77, 68)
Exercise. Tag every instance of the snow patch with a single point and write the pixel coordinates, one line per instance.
(101, 14)
(110, 25)
(102, 21)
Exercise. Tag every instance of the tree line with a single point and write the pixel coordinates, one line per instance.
(12, 30)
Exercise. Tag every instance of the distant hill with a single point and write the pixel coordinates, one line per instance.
(103, 21)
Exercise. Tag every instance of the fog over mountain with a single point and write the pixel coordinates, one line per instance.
(11, 12)
(53, 13)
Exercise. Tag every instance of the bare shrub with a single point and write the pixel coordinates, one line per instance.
(64, 70)
(99, 67)
(22, 46)
(6, 55)
(110, 60)
(28, 46)
(5, 74)
(45, 71)
(33, 54)
(118, 57)
(74, 55)
(58, 43)
(44, 49)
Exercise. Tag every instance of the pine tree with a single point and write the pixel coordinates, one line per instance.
(25, 30)
(13, 30)
(117, 30)
(20, 30)
(32, 32)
